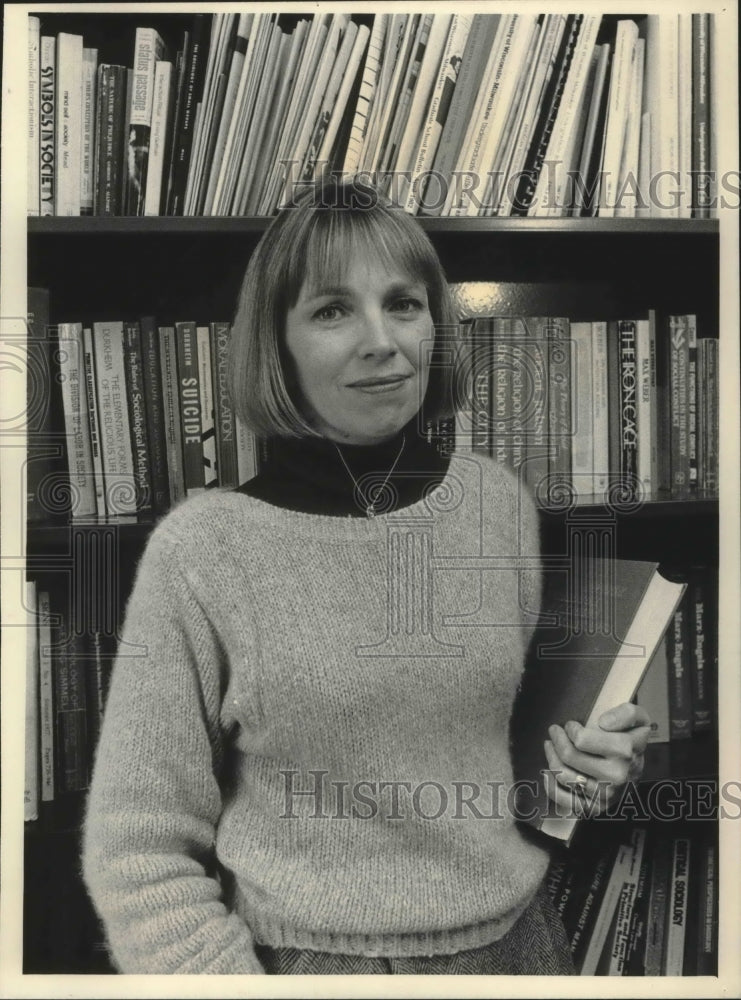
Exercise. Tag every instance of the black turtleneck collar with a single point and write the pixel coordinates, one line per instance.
(307, 474)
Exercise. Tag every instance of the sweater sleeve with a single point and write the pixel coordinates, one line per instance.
(155, 800)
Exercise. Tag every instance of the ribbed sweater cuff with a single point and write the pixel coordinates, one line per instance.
(445, 942)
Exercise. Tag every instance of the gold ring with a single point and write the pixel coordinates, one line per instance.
(580, 785)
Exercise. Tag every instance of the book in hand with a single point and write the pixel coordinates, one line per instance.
(600, 623)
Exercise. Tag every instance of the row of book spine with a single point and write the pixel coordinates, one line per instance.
(680, 688)
(599, 404)
(67, 678)
(458, 114)
(140, 414)
(645, 904)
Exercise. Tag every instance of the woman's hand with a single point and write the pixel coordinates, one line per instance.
(589, 765)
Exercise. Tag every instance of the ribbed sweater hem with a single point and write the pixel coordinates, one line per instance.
(277, 934)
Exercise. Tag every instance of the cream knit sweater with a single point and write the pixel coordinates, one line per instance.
(370, 663)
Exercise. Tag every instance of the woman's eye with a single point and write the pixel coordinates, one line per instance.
(330, 312)
(407, 305)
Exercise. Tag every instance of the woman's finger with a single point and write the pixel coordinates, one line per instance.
(610, 767)
(572, 799)
(625, 716)
(590, 739)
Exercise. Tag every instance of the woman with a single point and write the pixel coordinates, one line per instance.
(315, 681)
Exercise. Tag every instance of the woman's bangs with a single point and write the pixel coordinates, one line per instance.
(337, 238)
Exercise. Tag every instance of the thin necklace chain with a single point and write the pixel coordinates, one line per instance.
(370, 506)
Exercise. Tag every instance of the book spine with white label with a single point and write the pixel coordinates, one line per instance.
(34, 95)
(68, 124)
(87, 150)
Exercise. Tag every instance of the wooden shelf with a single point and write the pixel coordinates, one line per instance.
(204, 225)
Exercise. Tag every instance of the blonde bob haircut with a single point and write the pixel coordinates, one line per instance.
(311, 239)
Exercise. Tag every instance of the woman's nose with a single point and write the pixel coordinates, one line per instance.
(376, 336)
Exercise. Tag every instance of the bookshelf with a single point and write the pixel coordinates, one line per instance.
(171, 266)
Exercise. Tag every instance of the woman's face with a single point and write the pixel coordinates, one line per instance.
(357, 350)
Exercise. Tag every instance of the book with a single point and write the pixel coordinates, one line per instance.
(559, 349)
(680, 682)
(162, 106)
(479, 45)
(109, 139)
(627, 407)
(698, 599)
(155, 415)
(247, 458)
(677, 909)
(149, 48)
(600, 623)
(118, 460)
(251, 138)
(707, 931)
(658, 900)
(31, 793)
(711, 413)
(581, 914)
(423, 103)
(189, 394)
(662, 103)
(653, 695)
(224, 419)
(366, 94)
(193, 79)
(692, 388)
(93, 423)
(171, 410)
(134, 379)
(68, 124)
(487, 124)
(87, 143)
(629, 193)
(618, 108)
(238, 49)
(544, 59)
(76, 423)
(702, 190)
(618, 953)
(47, 104)
(70, 704)
(582, 408)
(550, 194)
(205, 387)
(46, 697)
(34, 114)
(624, 871)
(600, 409)
(633, 964)
(684, 101)
(587, 186)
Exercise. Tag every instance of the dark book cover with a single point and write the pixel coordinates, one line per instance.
(700, 669)
(680, 684)
(190, 406)
(600, 623)
(154, 405)
(627, 406)
(580, 915)
(109, 139)
(194, 78)
(703, 187)
(70, 703)
(133, 367)
(706, 941)
(634, 964)
(171, 410)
